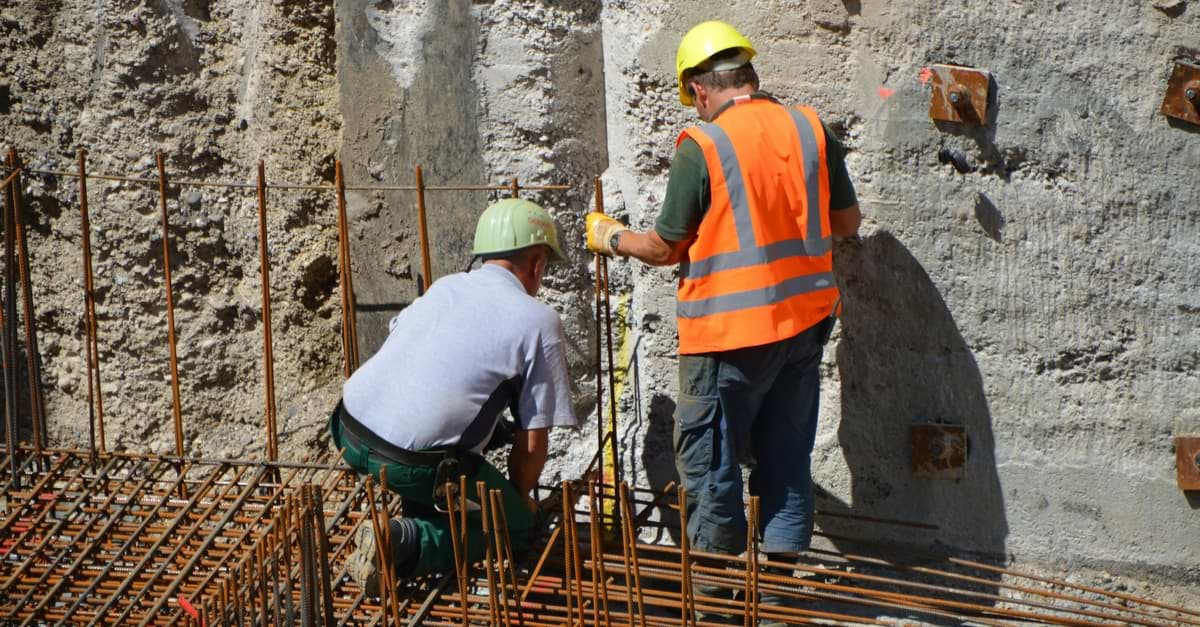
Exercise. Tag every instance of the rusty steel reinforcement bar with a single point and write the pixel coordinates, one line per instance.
(346, 282)
(37, 403)
(297, 186)
(264, 265)
(8, 339)
(92, 352)
(602, 269)
(176, 405)
(423, 231)
(113, 518)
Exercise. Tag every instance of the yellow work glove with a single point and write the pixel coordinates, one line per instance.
(600, 232)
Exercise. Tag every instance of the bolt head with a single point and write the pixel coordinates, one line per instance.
(955, 97)
(1192, 94)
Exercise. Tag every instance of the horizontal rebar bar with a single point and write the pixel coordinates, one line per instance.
(294, 186)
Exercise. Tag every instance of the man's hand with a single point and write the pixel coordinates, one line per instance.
(600, 231)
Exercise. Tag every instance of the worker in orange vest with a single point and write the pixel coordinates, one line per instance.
(755, 197)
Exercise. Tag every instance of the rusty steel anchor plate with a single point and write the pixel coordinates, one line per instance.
(1187, 462)
(1184, 82)
(959, 94)
(939, 451)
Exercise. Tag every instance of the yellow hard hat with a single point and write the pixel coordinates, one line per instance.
(701, 43)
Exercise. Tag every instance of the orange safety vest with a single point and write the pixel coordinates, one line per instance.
(761, 267)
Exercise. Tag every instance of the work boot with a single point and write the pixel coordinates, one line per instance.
(363, 564)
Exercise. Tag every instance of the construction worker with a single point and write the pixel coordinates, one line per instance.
(429, 401)
(754, 199)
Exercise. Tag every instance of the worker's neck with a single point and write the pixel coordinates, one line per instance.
(718, 99)
(523, 274)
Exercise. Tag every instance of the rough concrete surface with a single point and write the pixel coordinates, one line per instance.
(1033, 280)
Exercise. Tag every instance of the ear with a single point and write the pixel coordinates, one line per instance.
(697, 91)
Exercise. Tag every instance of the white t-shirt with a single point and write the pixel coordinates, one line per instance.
(454, 348)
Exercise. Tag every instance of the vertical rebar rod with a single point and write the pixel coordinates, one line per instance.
(573, 541)
(235, 587)
(277, 605)
(384, 560)
(493, 609)
(599, 576)
(33, 371)
(9, 343)
(95, 393)
(455, 545)
(465, 540)
(166, 251)
(515, 188)
(307, 566)
(349, 314)
(268, 354)
(685, 580)
(568, 561)
(498, 533)
(599, 365)
(323, 547)
(612, 366)
(626, 547)
(752, 560)
(629, 529)
(426, 266)
(506, 542)
(264, 601)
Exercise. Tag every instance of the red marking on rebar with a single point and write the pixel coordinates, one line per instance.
(885, 92)
(925, 74)
(188, 607)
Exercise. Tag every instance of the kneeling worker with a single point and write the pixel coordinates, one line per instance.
(428, 402)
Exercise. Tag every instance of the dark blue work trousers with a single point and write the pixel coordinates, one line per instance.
(755, 406)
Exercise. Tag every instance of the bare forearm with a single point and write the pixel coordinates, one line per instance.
(527, 459)
(650, 248)
(845, 222)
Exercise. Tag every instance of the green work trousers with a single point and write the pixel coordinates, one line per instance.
(415, 485)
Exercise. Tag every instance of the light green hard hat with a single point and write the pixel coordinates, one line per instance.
(512, 224)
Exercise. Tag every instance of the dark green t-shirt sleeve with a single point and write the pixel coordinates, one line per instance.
(841, 188)
(687, 194)
(688, 190)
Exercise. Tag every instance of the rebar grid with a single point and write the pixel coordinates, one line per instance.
(114, 543)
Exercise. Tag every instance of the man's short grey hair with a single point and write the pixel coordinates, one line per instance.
(723, 79)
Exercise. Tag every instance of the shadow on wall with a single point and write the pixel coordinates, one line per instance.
(658, 455)
(902, 361)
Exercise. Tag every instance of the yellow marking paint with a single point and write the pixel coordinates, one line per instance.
(624, 340)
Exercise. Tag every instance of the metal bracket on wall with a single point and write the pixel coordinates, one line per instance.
(1187, 462)
(1182, 100)
(939, 451)
(959, 94)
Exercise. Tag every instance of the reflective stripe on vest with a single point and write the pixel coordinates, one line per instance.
(732, 269)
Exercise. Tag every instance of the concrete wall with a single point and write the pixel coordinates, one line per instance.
(216, 85)
(1045, 299)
